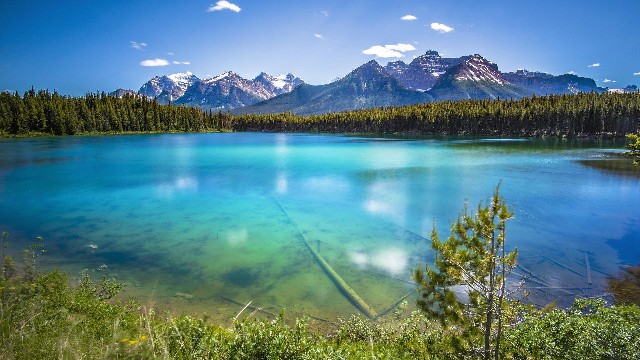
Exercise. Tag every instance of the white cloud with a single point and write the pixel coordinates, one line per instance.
(154, 62)
(408, 18)
(325, 13)
(608, 81)
(138, 45)
(224, 5)
(441, 28)
(318, 36)
(401, 47)
(637, 73)
(571, 72)
(170, 53)
(594, 65)
(389, 51)
(382, 52)
(180, 62)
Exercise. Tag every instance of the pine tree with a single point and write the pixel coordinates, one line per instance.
(474, 261)
(634, 147)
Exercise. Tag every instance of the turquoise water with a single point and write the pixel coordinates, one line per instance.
(202, 222)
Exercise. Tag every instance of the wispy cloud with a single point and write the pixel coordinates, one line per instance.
(637, 73)
(181, 62)
(594, 65)
(441, 28)
(382, 52)
(608, 81)
(389, 51)
(571, 72)
(325, 13)
(170, 53)
(154, 62)
(318, 36)
(408, 18)
(224, 5)
(138, 45)
(401, 47)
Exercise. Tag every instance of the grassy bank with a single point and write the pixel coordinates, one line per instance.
(45, 315)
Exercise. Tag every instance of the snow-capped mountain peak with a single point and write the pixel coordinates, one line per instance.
(278, 84)
(168, 87)
(180, 77)
(224, 75)
(422, 72)
(477, 68)
(229, 90)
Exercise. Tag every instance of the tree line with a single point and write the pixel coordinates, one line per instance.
(43, 112)
(584, 114)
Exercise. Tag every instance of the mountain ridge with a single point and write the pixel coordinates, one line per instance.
(428, 77)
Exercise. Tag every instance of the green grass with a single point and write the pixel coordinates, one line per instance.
(46, 315)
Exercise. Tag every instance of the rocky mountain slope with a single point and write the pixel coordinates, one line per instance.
(429, 77)
(223, 92)
(423, 72)
(365, 87)
(475, 78)
(168, 88)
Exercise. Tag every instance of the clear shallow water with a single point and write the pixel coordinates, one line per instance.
(202, 222)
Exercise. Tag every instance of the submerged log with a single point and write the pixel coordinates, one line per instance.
(248, 306)
(561, 265)
(386, 311)
(586, 261)
(344, 288)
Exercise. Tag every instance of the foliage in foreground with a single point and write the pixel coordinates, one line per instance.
(50, 320)
(473, 260)
(634, 147)
(587, 330)
(43, 317)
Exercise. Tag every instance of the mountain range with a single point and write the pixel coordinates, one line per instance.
(429, 77)
(223, 92)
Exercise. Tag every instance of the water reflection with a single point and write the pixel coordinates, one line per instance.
(387, 198)
(391, 260)
(359, 258)
(368, 205)
(327, 184)
(182, 184)
(282, 144)
(236, 237)
(282, 185)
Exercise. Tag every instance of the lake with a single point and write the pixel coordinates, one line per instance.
(203, 223)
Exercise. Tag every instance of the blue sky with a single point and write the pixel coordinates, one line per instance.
(81, 46)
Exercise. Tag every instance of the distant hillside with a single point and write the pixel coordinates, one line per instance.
(476, 78)
(584, 114)
(365, 87)
(428, 77)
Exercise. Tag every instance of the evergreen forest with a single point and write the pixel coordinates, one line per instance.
(585, 114)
